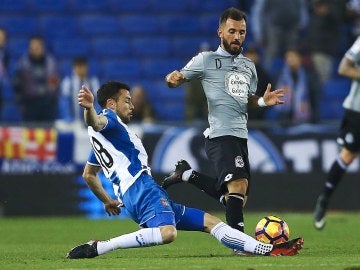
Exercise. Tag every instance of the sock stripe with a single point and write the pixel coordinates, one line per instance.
(233, 243)
(329, 185)
(236, 195)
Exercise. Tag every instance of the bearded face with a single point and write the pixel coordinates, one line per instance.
(232, 34)
(233, 48)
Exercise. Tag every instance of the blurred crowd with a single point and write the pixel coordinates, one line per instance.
(295, 44)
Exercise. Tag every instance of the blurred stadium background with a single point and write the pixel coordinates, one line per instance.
(140, 42)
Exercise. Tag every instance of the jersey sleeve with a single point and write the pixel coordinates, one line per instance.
(253, 81)
(194, 69)
(111, 119)
(353, 53)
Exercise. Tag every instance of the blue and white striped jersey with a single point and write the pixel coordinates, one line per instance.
(118, 151)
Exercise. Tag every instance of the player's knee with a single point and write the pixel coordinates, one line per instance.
(168, 233)
(210, 222)
(238, 186)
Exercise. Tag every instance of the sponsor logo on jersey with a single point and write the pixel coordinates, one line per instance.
(237, 85)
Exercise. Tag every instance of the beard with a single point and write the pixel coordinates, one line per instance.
(228, 48)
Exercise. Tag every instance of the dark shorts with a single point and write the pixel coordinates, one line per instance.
(229, 158)
(349, 136)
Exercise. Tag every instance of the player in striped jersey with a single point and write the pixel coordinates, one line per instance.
(349, 135)
(123, 159)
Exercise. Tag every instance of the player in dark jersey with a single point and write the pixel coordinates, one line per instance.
(349, 135)
(229, 80)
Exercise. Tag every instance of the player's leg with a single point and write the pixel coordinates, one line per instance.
(197, 220)
(184, 173)
(158, 230)
(141, 238)
(335, 175)
(349, 139)
(154, 214)
(235, 202)
(229, 157)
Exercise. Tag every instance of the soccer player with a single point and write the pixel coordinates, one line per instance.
(349, 135)
(123, 159)
(229, 81)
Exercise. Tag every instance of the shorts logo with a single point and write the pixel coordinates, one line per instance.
(239, 162)
(349, 138)
(228, 177)
(164, 202)
(340, 141)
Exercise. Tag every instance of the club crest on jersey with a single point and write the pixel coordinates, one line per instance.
(239, 162)
(164, 202)
(236, 85)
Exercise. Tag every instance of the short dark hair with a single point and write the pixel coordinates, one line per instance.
(232, 13)
(108, 90)
(80, 60)
(37, 37)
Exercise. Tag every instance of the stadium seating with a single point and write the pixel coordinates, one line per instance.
(128, 6)
(161, 6)
(139, 24)
(7, 6)
(47, 6)
(159, 68)
(9, 110)
(70, 47)
(110, 47)
(99, 25)
(209, 23)
(120, 69)
(179, 24)
(333, 95)
(148, 47)
(24, 26)
(66, 26)
(133, 41)
(86, 6)
(17, 47)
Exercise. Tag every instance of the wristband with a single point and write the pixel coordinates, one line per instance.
(261, 102)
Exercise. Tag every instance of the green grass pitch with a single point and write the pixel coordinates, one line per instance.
(42, 243)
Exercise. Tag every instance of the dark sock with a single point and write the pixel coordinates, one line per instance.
(205, 183)
(335, 175)
(234, 211)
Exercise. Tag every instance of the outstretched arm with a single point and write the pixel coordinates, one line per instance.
(270, 98)
(111, 206)
(86, 100)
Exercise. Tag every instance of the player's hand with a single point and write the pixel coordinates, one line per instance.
(85, 97)
(174, 78)
(112, 207)
(274, 97)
